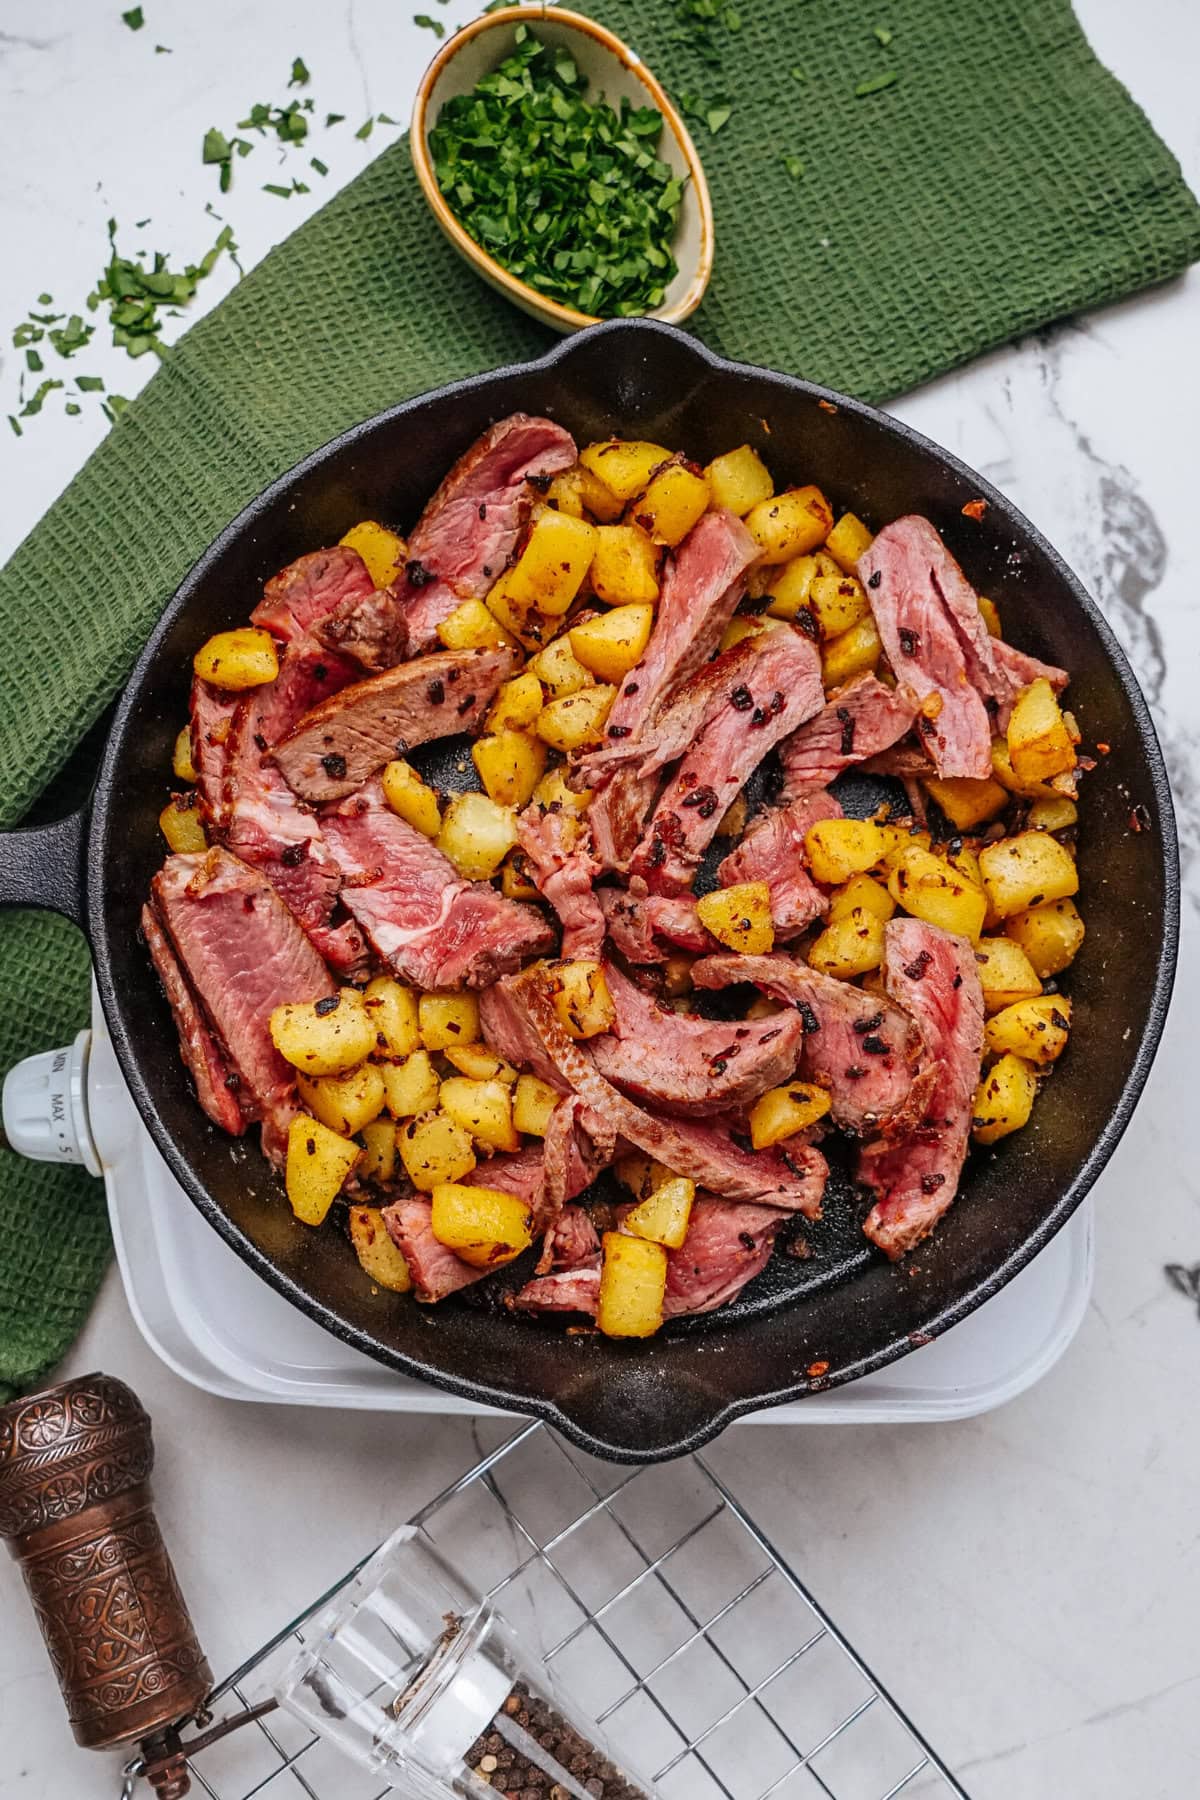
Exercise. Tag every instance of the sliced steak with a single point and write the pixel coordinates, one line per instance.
(211, 720)
(636, 924)
(507, 1030)
(575, 1290)
(571, 1161)
(519, 1173)
(934, 977)
(985, 669)
(725, 1247)
(680, 719)
(436, 1271)
(1021, 669)
(368, 628)
(216, 1083)
(689, 1065)
(341, 743)
(564, 872)
(468, 533)
(780, 689)
(856, 1046)
(310, 589)
(773, 851)
(243, 954)
(858, 721)
(419, 914)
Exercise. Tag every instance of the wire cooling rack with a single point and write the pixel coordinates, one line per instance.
(660, 1604)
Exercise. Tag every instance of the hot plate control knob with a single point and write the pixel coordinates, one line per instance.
(45, 1107)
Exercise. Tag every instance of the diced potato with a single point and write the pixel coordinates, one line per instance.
(900, 838)
(344, 1102)
(676, 498)
(783, 1111)
(789, 524)
(1036, 1029)
(848, 540)
(517, 703)
(559, 669)
(576, 719)
(641, 1174)
(378, 1161)
(991, 617)
(633, 1280)
(472, 627)
(235, 660)
(411, 799)
(612, 645)
(837, 602)
(1052, 815)
(624, 465)
(324, 1037)
(514, 878)
(598, 498)
(533, 1103)
(738, 480)
(529, 627)
(435, 1149)
(839, 848)
(581, 997)
(740, 917)
(1005, 973)
(182, 766)
(384, 552)
(930, 888)
(484, 1108)
(1027, 870)
(381, 1259)
(790, 586)
(1007, 776)
(318, 1162)
(1003, 1100)
(477, 835)
(510, 765)
(738, 628)
(1050, 935)
(849, 946)
(855, 652)
(1039, 742)
(392, 1009)
(861, 891)
(550, 570)
(411, 1085)
(485, 1226)
(967, 803)
(625, 566)
(663, 1216)
(179, 822)
(447, 1019)
(552, 790)
(480, 1063)
(564, 495)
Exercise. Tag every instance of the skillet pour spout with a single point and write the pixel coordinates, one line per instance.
(804, 1324)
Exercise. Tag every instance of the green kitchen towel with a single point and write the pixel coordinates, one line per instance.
(869, 235)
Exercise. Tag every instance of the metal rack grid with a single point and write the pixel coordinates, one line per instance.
(662, 1606)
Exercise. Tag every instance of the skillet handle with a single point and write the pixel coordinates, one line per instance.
(42, 866)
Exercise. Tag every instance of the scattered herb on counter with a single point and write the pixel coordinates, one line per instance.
(300, 76)
(429, 24)
(285, 193)
(314, 162)
(333, 119)
(134, 294)
(883, 35)
(797, 73)
(135, 18)
(565, 193)
(365, 129)
(875, 84)
(162, 50)
(35, 403)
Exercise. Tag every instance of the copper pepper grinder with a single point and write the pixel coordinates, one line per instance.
(75, 1462)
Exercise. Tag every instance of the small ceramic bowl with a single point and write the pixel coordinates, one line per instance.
(613, 70)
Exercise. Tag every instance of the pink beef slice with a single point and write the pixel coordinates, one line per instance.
(212, 713)
(468, 533)
(858, 721)
(773, 851)
(569, 1269)
(638, 924)
(861, 1049)
(689, 1065)
(725, 1247)
(436, 1272)
(1021, 669)
(370, 629)
(243, 954)
(310, 590)
(419, 914)
(937, 645)
(934, 977)
(343, 741)
(202, 1055)
(564, 872)
(781, 688)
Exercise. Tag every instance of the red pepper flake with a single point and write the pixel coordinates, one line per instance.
(915, 970)
(975, 509)
(827, 406)
(816, 1369)
(1104, 749)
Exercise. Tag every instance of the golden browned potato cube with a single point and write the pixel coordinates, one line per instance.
(410, 1085)
(510, 765)
(551, 568)
(484, 1108)
(790, 524)
(242, 658)
(485, 1226)
(1039, 741)
(182, 766)
(1058, 814)
(740, 917)
(612, 645)
(790, 585)
(1036, 1029)
(552, 790)
(863, 891)
(392, 1009)
(410, 798)
(1027, 870)
(318, 1162)
(991, 617)
(965, 802)
(663, 1216)
(472, 627)
(1003, 1100)
(624, 465)
(384, 552)
(447, 1019)
(738, 480)
(378, 1161)
(1050, 935)
(477, 835)
(598, 498)
(480, 1063)
(514, 878)
(379, 1256)
(633, 1281)
(435, 1149)
(675, 499)
(625, 566)
(517, 704)
(855, 652)
(848, 540)
(533, 1103)
(1005, 973)
(839, 848)
(324, 1037)
(1006, 775)
(783, 1111)
(849, 946)
(576, 719)
(837, 602)
(179, 822)
(564, 495)
(528, 627)
(641, 1174)
(581, 997)
(559, 670)
(931, 888)
(344, 1102)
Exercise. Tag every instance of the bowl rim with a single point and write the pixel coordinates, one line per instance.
(522, 292)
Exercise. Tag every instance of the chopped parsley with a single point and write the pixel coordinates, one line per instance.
(794, 166)
(300, 76)
(337, 118)
(365, 129)
(567, 194)
(883, 35)
(134, 294)
(875, 84)
(428, 24)
(135, 18)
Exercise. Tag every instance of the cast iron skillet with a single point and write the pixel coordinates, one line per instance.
(804, 1324)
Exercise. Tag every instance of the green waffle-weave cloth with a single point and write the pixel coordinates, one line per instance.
(1004, 180)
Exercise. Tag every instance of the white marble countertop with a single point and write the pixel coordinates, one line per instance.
(1026, 1582)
